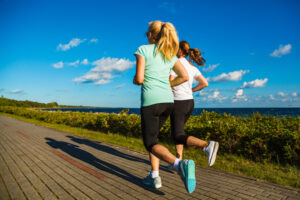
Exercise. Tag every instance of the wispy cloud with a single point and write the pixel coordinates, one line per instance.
(281, 94)
(94, 40)
(283, 50)
(231, 76)
(255, 83)
(120, 86)
(284, 97)
(168, 6)
(210, 68)
(73, 43)
(294, 94)
(85, 62)
(17, 91)
(104, 70)
(73, 64)
(58, 65)
(61, 64)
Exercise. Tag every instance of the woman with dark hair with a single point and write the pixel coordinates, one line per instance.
(184, 103)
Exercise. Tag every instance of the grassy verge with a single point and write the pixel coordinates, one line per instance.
(284, 175)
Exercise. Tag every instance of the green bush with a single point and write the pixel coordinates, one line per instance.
(258, 137)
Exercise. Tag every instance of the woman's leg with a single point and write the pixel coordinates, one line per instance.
(179, 150)
(152, 118)
(193, 141)
(154, 162)
(181, 113)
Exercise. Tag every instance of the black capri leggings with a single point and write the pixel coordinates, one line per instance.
(181, 113)
(153, 118)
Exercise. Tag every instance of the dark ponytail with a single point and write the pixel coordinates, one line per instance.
(194, 54)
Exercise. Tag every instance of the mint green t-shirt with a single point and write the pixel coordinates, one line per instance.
(156, 86)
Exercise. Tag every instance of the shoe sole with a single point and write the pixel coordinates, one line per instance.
(214, 154)
(190, 177)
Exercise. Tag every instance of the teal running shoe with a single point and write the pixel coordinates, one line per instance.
(152, 182)
(187, 172)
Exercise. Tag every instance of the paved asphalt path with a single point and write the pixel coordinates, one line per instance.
(42, 163)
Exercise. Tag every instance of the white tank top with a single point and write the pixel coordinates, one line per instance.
(184, 90)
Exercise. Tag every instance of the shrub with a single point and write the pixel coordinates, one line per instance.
(257, 137)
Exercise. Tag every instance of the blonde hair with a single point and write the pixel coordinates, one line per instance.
(165, 37)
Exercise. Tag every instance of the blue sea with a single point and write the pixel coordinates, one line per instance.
(242, 112)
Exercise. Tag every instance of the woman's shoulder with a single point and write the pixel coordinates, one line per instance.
(147, 46)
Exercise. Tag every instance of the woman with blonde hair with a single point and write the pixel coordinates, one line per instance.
(153, 65)
(184, 103)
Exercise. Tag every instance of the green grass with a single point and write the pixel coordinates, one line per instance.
(270, 172)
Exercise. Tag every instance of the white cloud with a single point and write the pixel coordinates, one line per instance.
(85, 62)
(112, 65)
(58, 65)
(73, 43)
(283, 50)
(17, 91)
(120, 86)
(255, 83)
(94, 40)
(272, 97)
(294, 94)
(281, 94)
(231, 76)
(210, 68)
(216, 96)
(93, 77)
(239, 95)
(203, 93)
(104, 70)
(102, 82)
(73, 64)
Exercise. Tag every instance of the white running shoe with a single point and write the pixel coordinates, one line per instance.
(211, 152)
(153, 182)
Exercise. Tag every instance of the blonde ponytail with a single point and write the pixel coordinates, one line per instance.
(165, 37)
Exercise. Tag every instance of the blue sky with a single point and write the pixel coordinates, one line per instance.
(81, 52)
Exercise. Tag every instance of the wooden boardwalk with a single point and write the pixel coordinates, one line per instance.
(41, 163)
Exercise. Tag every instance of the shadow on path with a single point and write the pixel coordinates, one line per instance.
(76, 152)
(97, 145)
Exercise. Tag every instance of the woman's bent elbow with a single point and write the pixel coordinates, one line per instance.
(205, 84)
(139, 82)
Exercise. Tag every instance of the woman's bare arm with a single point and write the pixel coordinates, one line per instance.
(140, 70)
(202, 83)
(182, 75)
